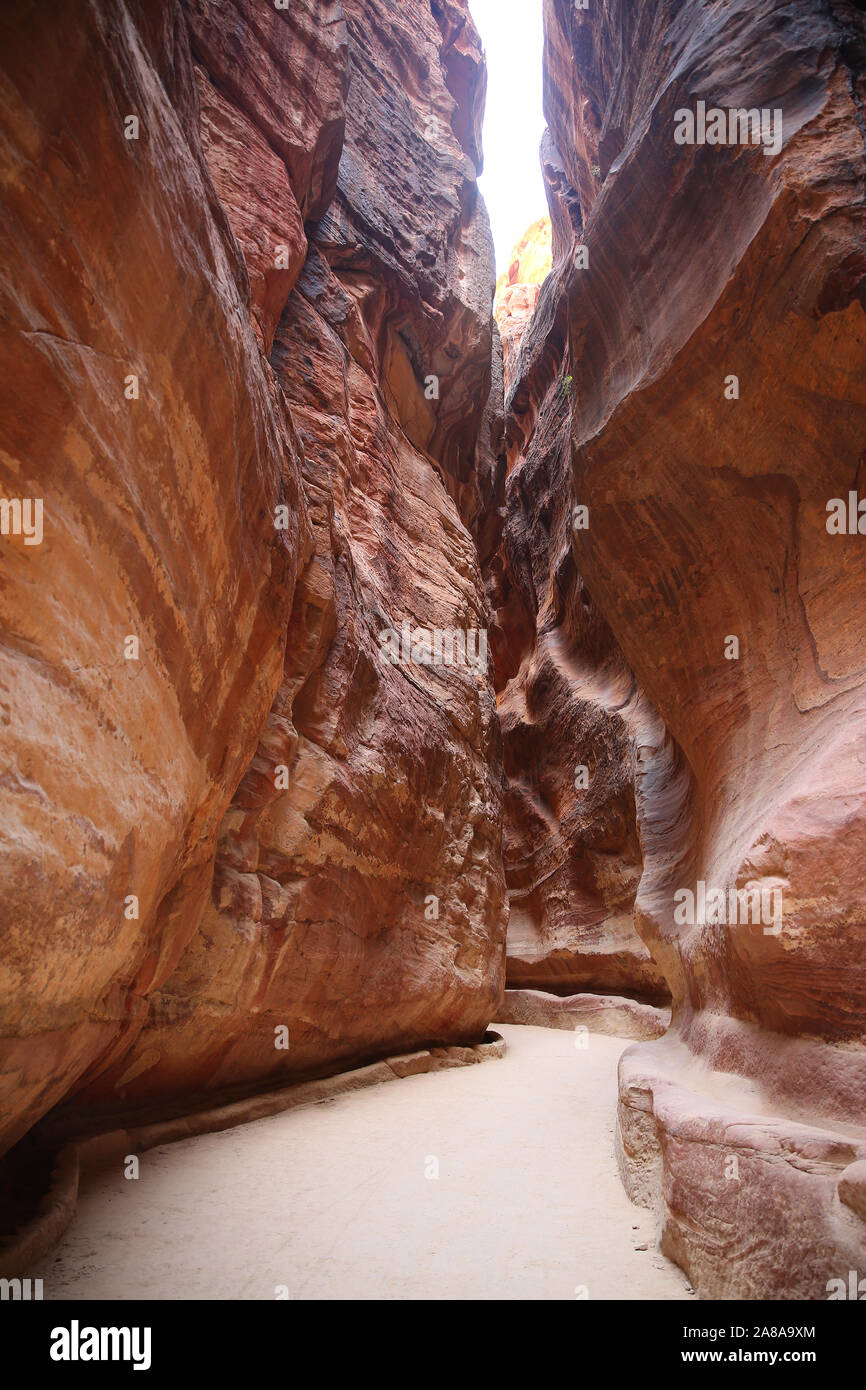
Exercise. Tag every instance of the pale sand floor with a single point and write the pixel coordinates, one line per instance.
(333, 1202)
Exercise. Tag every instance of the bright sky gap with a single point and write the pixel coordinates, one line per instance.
(512, 186)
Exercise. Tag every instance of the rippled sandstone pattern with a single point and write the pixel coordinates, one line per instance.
(707, 518)
(292, 247)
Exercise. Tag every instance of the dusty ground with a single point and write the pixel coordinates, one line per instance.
(335, 1201)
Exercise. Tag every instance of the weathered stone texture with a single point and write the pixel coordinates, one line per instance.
(292, 246)
(708, 519)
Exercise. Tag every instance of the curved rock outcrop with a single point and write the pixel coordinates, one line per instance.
(143, 637)
(259, 848)
(706, 306)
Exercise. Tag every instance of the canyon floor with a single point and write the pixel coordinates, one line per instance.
(334, 1201)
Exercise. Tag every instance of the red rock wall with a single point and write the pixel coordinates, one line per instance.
(291, 247)
(707, 519)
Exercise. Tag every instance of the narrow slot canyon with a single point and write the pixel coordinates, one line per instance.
(433, 700)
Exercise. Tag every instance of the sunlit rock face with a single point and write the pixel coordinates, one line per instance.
(294, 259)
(518, 287)
(715, 343)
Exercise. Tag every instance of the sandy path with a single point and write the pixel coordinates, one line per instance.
(333, 1201)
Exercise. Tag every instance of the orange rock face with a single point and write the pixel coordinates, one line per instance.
(257, 846)
(713, 331)
(518, 287)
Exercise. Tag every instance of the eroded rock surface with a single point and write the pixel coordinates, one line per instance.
(707, 520)
(138, 407)
(292, 249)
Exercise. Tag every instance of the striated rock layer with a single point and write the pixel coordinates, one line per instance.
(738, 766)
(257, 830)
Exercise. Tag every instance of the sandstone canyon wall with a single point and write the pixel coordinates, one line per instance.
(218, 334)
(251, 371)
(736, 767)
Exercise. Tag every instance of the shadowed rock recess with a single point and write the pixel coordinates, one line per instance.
(249, 365)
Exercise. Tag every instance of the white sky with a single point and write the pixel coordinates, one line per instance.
(511, 32)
